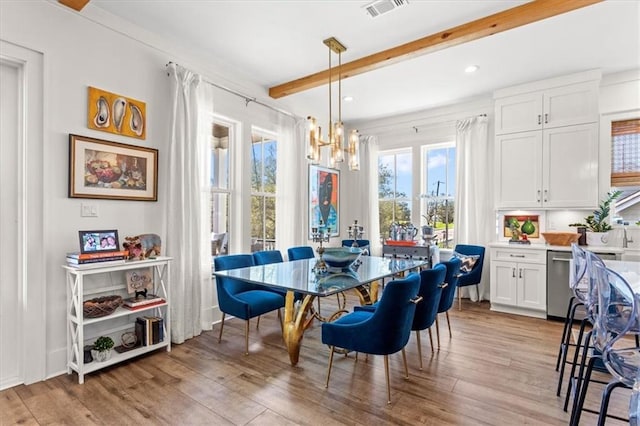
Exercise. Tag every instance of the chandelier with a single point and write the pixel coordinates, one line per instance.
(335, 137)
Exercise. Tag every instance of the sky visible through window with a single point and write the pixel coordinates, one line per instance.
(441, 172)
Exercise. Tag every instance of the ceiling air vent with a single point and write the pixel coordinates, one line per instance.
(381, 7)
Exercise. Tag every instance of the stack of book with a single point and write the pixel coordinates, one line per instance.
(149, 330)
(142, 302)
(106, 258)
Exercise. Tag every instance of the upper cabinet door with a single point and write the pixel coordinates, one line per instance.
(518, 113)
(519, 170)
(569, 105)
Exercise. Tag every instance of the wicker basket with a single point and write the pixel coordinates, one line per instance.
(100, 306)
(560, 238)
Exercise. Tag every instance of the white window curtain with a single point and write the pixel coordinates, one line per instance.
(187, 208)
(291, 190)
(369, 148)
(474, 215)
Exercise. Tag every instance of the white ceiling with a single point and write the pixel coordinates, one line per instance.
(272, 42)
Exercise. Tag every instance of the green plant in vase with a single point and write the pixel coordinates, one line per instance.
(596, 223)
(102, 348)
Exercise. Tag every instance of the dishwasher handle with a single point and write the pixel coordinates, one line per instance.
(560, 259)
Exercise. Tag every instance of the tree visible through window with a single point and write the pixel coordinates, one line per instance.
(219, 184)
(439, 193)
(394, 189)
(264, 154)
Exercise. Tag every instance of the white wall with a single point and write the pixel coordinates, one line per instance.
(80, 51)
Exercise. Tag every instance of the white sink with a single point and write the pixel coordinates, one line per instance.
(632, 255)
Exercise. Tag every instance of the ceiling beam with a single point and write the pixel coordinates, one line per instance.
(74, 4)
(502, 21)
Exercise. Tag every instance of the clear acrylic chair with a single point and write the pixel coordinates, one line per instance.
(615, 309)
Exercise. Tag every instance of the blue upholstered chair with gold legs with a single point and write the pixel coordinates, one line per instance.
(472, 258)
(383, 332)
(300, 252)
(242, 299)
(448, 293)
(266, 257)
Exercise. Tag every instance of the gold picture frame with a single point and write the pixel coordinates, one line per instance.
(111, 170)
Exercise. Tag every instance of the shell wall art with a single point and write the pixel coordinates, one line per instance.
(117, 114)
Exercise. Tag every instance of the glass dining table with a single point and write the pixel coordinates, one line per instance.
(298, 277)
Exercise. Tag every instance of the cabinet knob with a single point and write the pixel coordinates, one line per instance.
(520, 273)
(516, 255)
(546, 119)
(538, 197)
(546, 195)
(539, 119)
(513, 272)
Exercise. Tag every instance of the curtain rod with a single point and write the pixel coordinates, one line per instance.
(416, 128)
(247, 99)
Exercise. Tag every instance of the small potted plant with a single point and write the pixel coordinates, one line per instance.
(596, 224)
(102, 348)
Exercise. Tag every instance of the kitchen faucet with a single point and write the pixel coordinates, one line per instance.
(625, 239)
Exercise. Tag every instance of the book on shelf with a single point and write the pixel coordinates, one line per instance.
(93, 265)
(149, 330)
(85, 256)
(74, 261)
(148, 305)
(135, 302)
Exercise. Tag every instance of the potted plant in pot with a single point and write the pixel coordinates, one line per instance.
(596, 224)
(102, 348)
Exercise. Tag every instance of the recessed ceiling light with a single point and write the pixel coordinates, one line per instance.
(347, 98)
(471, 69)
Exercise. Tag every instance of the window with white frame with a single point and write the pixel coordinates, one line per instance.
(264, 156)
(394, 188)
(219, 187)
(439, 190)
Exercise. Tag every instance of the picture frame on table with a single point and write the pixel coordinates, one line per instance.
(111, 170)
(324, 199)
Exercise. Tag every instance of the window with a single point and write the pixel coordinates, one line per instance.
(438, 196)
(625, 153)
(264, 154)
(394, 188)
(219, 184)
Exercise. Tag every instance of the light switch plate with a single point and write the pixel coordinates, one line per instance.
(88, 210)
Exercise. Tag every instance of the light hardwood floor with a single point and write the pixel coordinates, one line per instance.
(498, 369)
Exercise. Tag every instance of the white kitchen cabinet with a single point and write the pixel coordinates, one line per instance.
(556, 107)
(518, 281)
(553, 168)
(100, 280)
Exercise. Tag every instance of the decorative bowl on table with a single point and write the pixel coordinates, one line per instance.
(560, 238)
(341, 257)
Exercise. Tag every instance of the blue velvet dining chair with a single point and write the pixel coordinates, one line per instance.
(431, 284)
(363, 244)
(242, 299)
(448, 293)
(383, 332)
(266, 257)
(300, 252)
(472, 258)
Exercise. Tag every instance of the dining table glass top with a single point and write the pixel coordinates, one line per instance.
(298, 275)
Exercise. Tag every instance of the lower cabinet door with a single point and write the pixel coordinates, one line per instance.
(503, 282)
(532, 292)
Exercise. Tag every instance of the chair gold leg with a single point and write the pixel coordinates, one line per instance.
(330, 364)
(438, 331)
(221, 327)
(258, 323)
(419, 347)
(246, 337)
(431, 341)
(404, 361)
(459, 299)
(386, 373)
(280, 319)
(448, 324)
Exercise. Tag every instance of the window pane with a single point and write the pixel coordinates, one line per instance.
(403, 175)
(219, 223)
(402, 212)
(270, 221)
(256, 167)
(386, 176)
(436, 171)
(270, 149)
(257, 217)
(386, 217)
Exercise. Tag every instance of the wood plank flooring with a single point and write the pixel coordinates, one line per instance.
(498, 369)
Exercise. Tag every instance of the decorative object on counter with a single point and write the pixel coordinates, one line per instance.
(139, 281)
(87, 358)
(524, 225)
(143, 246)
(596, 224)
(427, 234)
(582, 231)
(560, 238)
(102, 348)
(100, 306)
(320, 234)
(111, 170)
(117, 114)
(355, 232)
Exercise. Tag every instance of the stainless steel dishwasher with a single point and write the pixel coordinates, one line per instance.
(558, 292)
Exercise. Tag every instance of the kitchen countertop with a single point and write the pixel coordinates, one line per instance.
(540, 246)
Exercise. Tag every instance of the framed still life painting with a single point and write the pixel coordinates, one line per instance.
(324, 196)
(110, 170)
